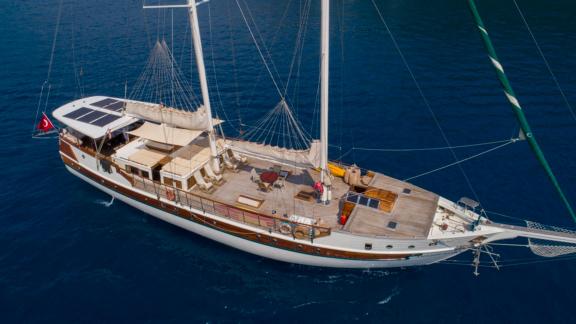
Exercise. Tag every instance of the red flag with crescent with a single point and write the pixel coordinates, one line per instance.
(45, 124)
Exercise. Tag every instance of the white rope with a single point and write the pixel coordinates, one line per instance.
(458, 162)
(259, 50)
(48, 74)
(426, 102)
(162, 81)
(545, 61)
(434, 148)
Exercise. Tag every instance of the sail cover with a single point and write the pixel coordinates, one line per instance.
(302, 158)
(194, 120)
(166, 134)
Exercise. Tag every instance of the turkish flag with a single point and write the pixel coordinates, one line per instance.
(45, 124)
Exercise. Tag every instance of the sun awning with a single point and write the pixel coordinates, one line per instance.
(166, 134)
(182, 167)
(147, 158)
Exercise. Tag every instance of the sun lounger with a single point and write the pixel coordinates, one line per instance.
(211, 175)
(206, 186)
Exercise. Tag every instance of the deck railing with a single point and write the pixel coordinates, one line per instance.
(270, 223)
(187, 199)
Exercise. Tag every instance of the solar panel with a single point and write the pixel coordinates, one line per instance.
(78, 112)
(105, 120)
(91, 116)
(117, 106)
(103, 103)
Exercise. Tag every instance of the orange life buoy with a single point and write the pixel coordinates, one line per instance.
(285, 228)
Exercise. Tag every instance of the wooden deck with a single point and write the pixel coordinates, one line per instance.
(413, 213)
(278, 201)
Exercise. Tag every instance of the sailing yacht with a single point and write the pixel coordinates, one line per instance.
(290, 203)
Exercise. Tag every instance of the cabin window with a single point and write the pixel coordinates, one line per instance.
(178, 184)
(128, 169)
(411, 246)
(168, 181)
(191, 182)
(374, 203)
(368, 246)
(145, 174)
(389, 246)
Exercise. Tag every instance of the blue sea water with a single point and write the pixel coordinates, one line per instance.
(66, 257)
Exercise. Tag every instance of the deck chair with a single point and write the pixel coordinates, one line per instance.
(254, 175)
(217, 178)
(279, 183)
(205, 186)
(266, 187)
(237, 157)
(228, 163)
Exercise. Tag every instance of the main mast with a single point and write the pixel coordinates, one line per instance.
(197, 40)
(324, 82)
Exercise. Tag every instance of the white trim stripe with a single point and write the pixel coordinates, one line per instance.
(497, 64)
(513, 100)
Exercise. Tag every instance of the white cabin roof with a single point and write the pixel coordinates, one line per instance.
(166, 134)
(94, 116)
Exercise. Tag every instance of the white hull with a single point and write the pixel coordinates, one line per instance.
(270, 251)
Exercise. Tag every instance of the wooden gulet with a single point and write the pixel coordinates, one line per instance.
(258, 198)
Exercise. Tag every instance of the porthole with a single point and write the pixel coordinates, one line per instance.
(389, 246)
(411, 246)
(368, 246)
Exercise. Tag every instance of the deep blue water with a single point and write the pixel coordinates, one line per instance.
(66, 257)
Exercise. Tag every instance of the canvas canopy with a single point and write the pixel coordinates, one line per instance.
(303, 158)
(194, 120)
(182, 165)
(147, 158)
(166, 134)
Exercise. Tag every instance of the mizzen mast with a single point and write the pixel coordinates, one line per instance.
(324, 82)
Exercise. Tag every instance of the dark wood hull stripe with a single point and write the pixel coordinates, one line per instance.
(292, 246)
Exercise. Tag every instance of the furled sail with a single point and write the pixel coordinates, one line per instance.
(301, 158)
(194, 120)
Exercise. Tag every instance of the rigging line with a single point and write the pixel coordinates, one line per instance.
(562, 93)
(458, 162)
(38, 107)
(258, 48)
(436, 148)
(509, 244)
(425, 99)
(234, 70)
(214, 67)
(54, 40)
(536, 261)
(263, 42)
(297, 52)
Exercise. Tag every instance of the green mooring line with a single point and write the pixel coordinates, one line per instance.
(511, 96)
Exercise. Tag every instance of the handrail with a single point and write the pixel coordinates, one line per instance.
(271, 223)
